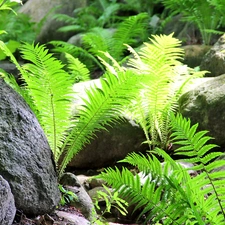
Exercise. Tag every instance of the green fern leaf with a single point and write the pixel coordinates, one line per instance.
(102, 106)
(131, 28)
(159, 61)
(50, 87)
(77, 69)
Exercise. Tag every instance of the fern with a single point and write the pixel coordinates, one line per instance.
(75, 51)
(102, 106)
(155, 198)
(50, 87)
(207, 15)
(97, 40)
(128, 32)
(169, 194)
(77, 69)
(166, 79)
(211, 179)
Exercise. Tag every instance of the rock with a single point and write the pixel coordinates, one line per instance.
(10, 68)
(205, 104)
(7, 204)
(187, 32)
(26, 160)
(109, 146)
(84, 203)
(76, 40)
(75, 219)
(39, 10)
(95, 182)
(184, 31)
(214, 61)
(194, 54)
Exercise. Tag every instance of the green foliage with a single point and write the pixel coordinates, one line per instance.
(12, 46)
(167, 193)
(14, 27)
(165, 80)
(48, 88)
(100, 13)
(18, 27)
(112, 200)
(77, 69)
(8, 5)
(132, 31)
(208, 15)
(48, 91)
(102, 106)
(66, 196)
(140, 6)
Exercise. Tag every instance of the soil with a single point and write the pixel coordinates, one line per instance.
(52, 219)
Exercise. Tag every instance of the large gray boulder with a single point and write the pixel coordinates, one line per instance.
(7, 204)
(205, 104)
(109, 146)
(45, 9)
(26, 160)
(213, 60)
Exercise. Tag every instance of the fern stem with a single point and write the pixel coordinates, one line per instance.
(54, 128)
(217, 196)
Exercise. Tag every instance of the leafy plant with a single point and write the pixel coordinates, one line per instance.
(112, 200)
(167, 193)
(18, 27)
(165, 80)
(8, 5)
(48, 90)
(140, 6)
(100, 13)
(14, 27)
(207, 15)
(66, 196)
(131, 31)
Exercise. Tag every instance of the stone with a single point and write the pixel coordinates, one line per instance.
(194, 54)
(184, 31)
(110, 146)
(213, 60)
(84, 203)
(26, 160)
(205, 104)
(44, 10)
(75, 219)
(7, 204)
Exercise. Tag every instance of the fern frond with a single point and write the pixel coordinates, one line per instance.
(64, 18)
(11, 80)
(165, 81)
(50, 87)
(155, 197)
(97, 41)
(75, 51)
(102, 106)
(169, 194)
(77, 69)
(131, 28)
(108, 12)
(209, 183)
